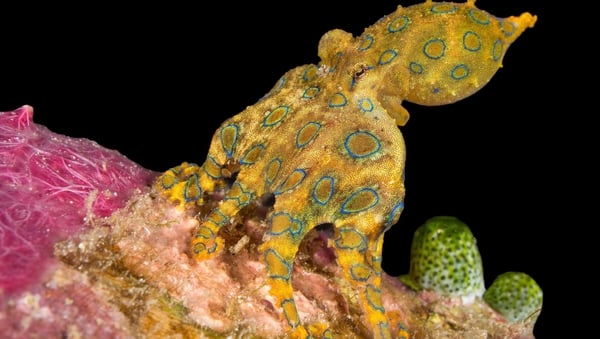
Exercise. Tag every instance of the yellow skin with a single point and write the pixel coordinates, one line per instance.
(325, 143)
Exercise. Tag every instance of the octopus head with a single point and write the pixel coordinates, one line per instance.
(434, 53)
(446, 51)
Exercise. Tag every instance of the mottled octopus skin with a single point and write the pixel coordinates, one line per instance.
(325, 143)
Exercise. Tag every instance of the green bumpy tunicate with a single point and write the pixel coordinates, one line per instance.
(516, 296)
(445, 259)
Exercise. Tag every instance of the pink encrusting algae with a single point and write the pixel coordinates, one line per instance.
(50, 185)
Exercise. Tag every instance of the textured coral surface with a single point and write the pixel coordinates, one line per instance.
(50, 185)
(133, 276)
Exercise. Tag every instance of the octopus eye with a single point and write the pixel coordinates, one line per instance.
(359, 70)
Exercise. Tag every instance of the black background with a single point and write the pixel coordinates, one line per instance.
(155, 81)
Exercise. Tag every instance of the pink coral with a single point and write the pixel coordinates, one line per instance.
(49, 186)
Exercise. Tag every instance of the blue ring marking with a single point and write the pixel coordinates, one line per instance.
(349, 200)
(357, 156)
(173, 182)
(437, 8)
(415, 68)
(212, 248)
(287, 317)
(270, 181)
(305, 75)
(224, 218)
(387, 56)
(362, 244)
(457, 68)
(497, 50)
(384, 328)
(209, 157)
(279, 189)
(360, 266)
(289, 230)
(312, 123)
(326, 200)
(394, 215)
(197, 250)
(434, 40)
(311, 92)
(369, 39)
(377, 260)
(377, 292)
(401, 327)
(268, 124)
(196, 182)
(243, 193)
(352, 83)
(365, 105)
(402, 26)
(507, 33)
(177, 170)
(197, 235)
(281, 260)
(229, 152)
(281, 83)
(243, 161)
(472, 15)
(466, 35)
(338, 95)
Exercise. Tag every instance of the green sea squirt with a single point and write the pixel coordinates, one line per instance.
(445, 259)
